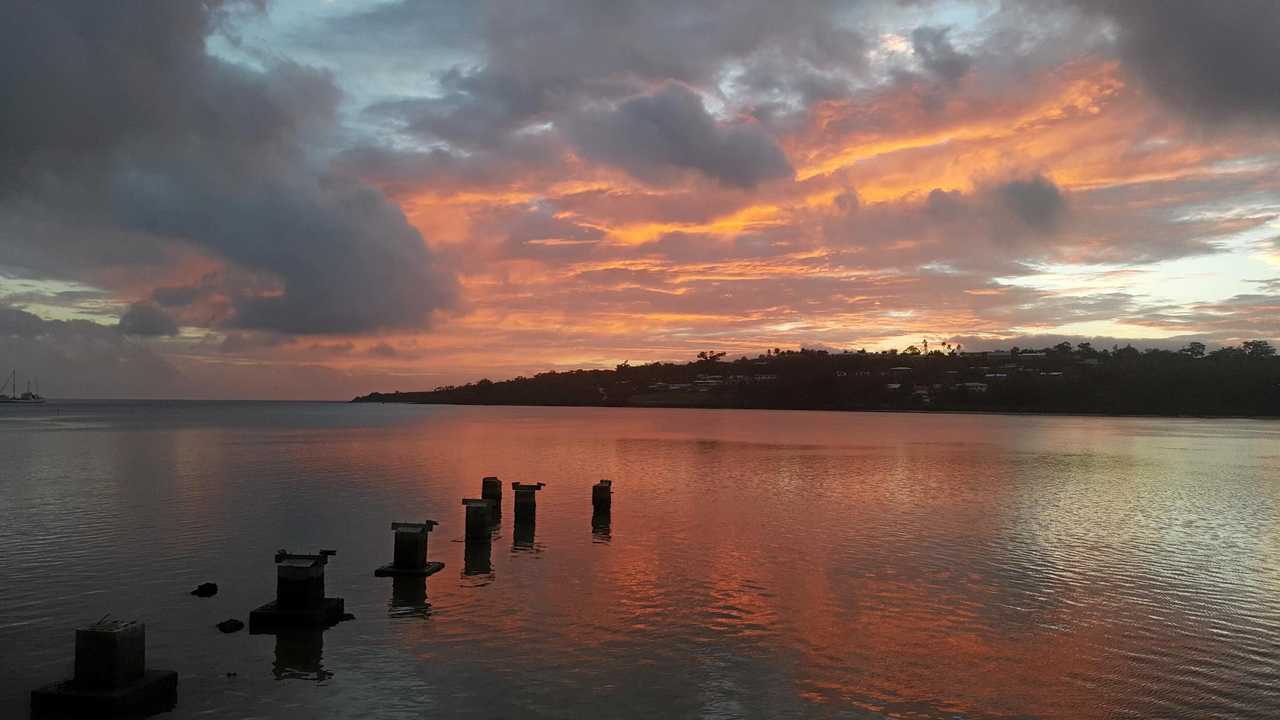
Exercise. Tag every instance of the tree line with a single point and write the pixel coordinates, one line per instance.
(1241, 380)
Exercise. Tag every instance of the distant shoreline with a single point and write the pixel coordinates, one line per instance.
(1230, 382)
(914, 411)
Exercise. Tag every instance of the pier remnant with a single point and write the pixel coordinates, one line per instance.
(478, 518)
(410, 559)
(526, 501)
(409, 593)
(602, 496)
(522, 535)
(111, 676)
(478, 558)
(300, 600)
(491, 490)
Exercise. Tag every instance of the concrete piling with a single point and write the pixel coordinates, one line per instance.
(409, 593)
(110, 654)
(111, 676)
(410, 558)
(491, 490)
(478, 558)
(299, 580)
(300, 599)
(478, 519)
(526, 501)
(602, 496)
(522, 535)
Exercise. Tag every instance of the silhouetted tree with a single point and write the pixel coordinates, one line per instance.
(1257, 348)
(1193, 349)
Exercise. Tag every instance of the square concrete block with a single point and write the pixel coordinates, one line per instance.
(110, 654)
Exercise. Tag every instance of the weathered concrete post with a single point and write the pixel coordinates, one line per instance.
(408, 592)
(526, 501)
(110, 675)
(601, 509)
(522, 534)
(491, 490)
(110, 654)
(410, 557)
(299, 580)
(300, 600)
(478, 522)
(602, 496)
(478, 558)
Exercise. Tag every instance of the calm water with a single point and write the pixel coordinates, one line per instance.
(759, 564)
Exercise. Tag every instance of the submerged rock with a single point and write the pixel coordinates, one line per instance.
(231, 625)
(205, 590)
(346, 616)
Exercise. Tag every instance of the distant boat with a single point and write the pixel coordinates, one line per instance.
(27, 398)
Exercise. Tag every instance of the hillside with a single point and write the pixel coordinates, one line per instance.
(1241, 380)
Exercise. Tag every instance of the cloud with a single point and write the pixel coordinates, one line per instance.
(1035, 201)
(382, 350)
(648, 135)
(147, 320)
(543, 62)
(176, 296)
(189, 151)
(78, 358)
(937, 54)
(1211, 60)
(536, 230)
(579, 169)
(476, 108)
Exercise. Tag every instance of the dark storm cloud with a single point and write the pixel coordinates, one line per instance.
(414, 30)
(648, 135)
(663, 39)
(506, 160)
(176, 296)
(558, 62)
(147, 320)
(994, 229)
(79, 358)
(126, 126)
(938, 55)
(476, 107)
(1212, 60)
(1035, 201)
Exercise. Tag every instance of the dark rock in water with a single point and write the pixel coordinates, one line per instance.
(346, 616)
(205, 590)
(230, 626)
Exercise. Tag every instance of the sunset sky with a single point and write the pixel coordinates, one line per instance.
(312, 199)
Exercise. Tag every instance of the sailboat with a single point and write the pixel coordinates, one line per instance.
(26, 398)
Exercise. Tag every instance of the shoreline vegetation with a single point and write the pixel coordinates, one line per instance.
(1235, 381)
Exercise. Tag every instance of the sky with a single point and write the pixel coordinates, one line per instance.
(305, 199)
